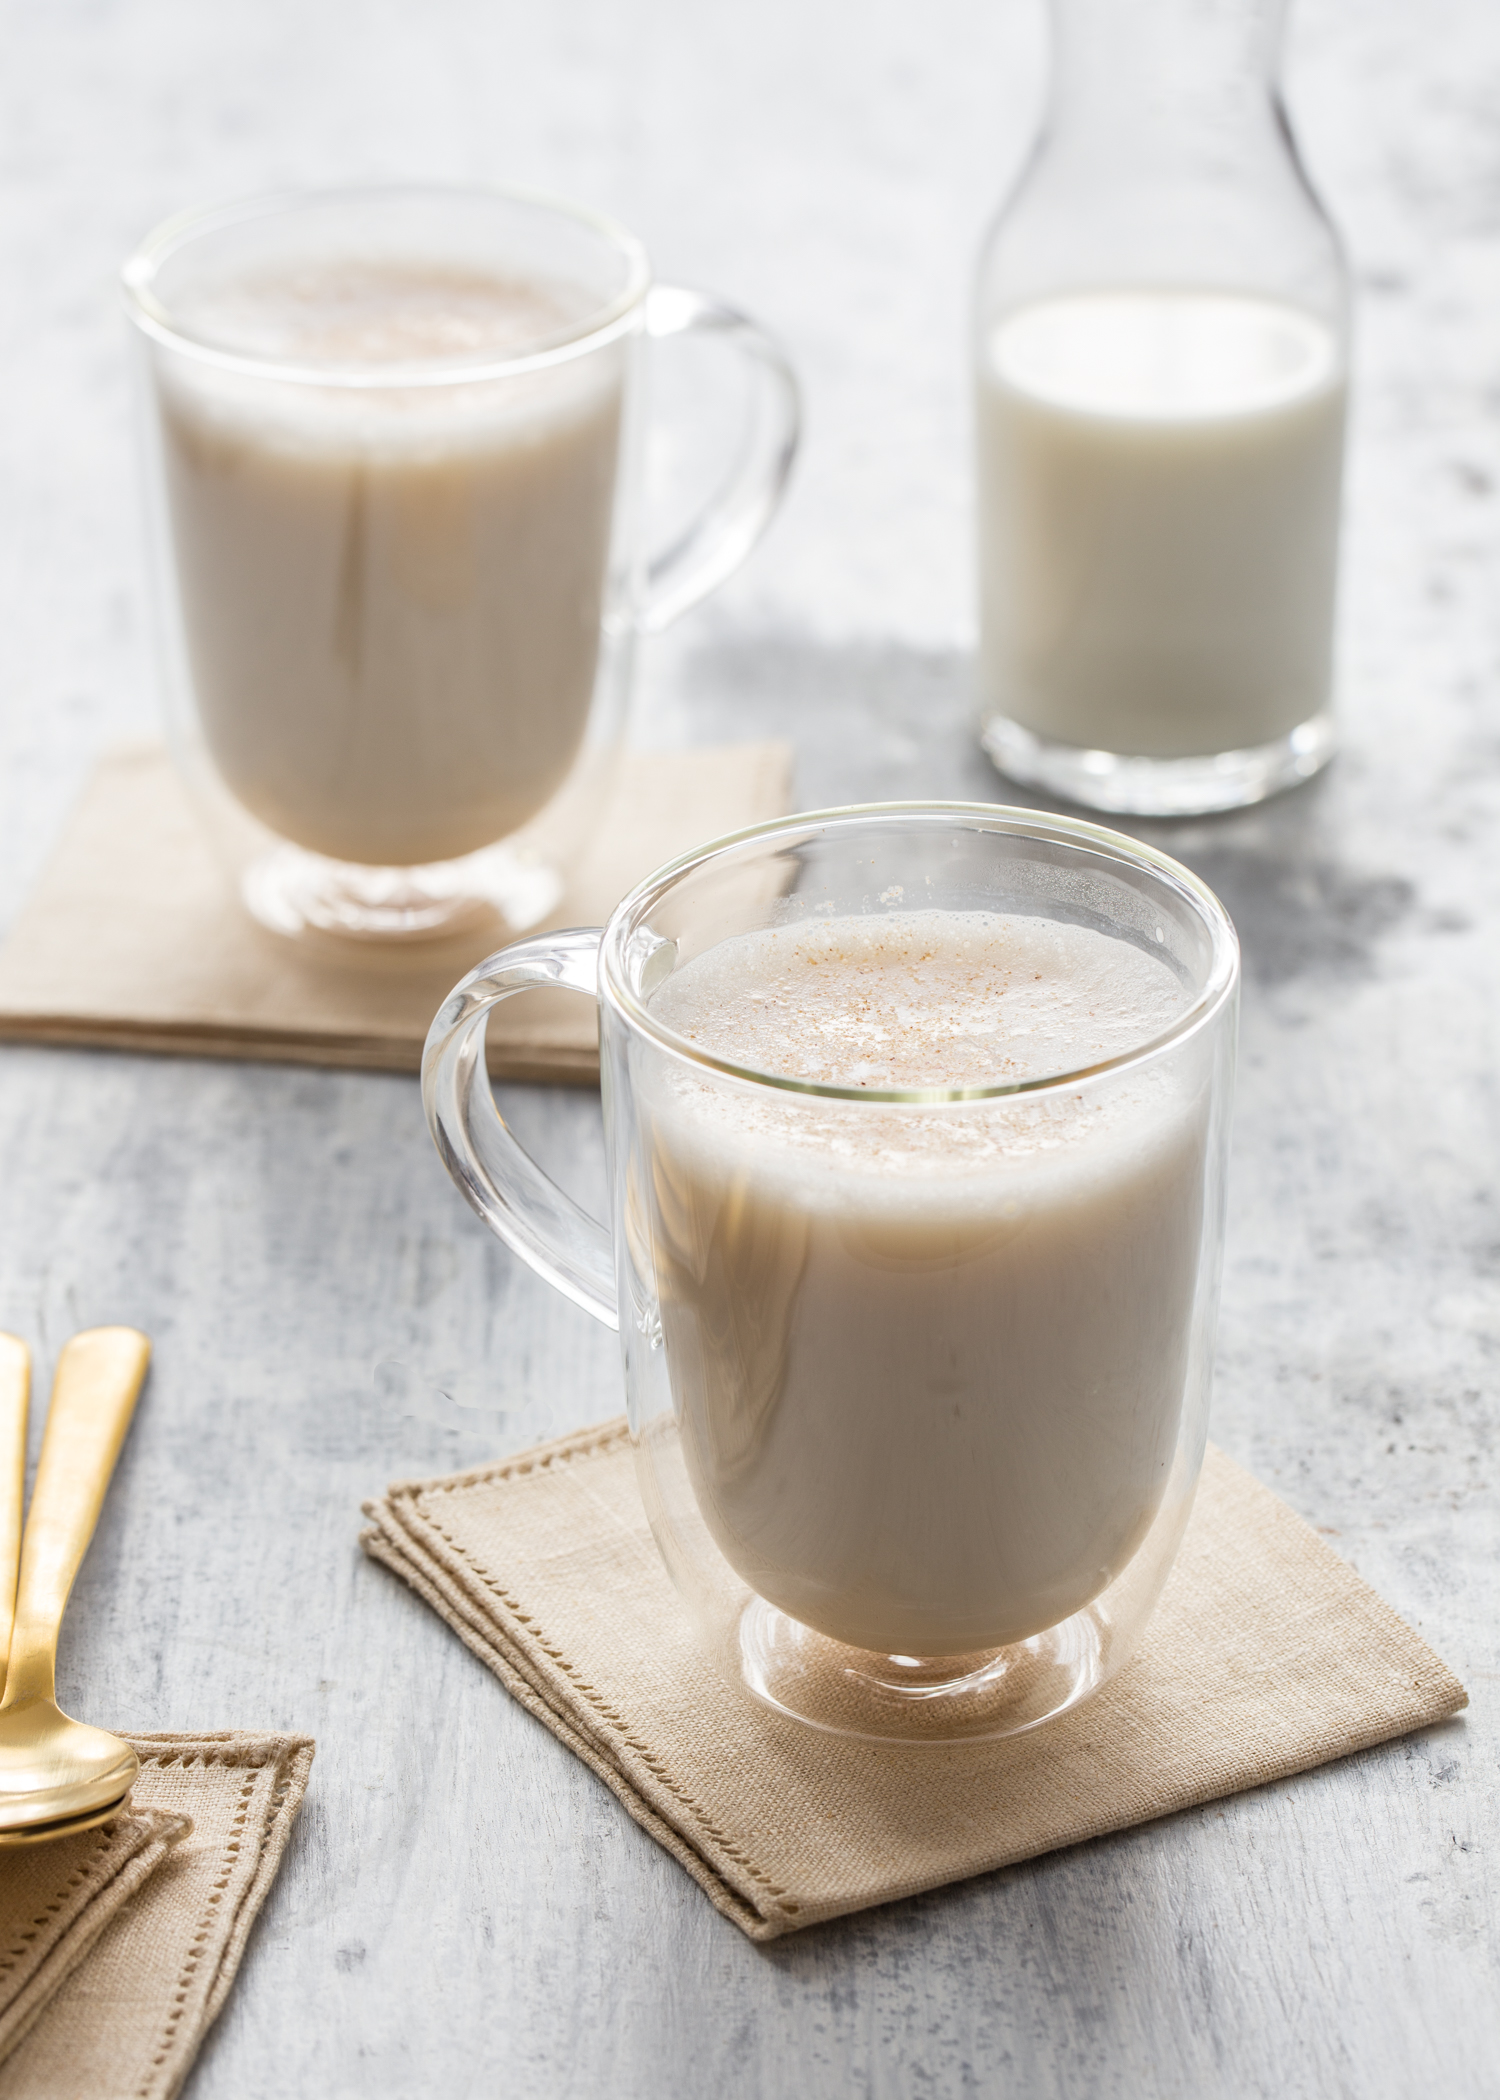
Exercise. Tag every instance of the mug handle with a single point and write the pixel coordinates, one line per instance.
(518, 1202)
(712, 547)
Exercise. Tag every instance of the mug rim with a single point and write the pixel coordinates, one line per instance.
(1220, 984)
(617, 317)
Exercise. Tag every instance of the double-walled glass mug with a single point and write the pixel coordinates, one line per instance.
(394, 463)
(917, 1374)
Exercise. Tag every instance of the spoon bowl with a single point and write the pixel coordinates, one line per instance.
(54, 1770)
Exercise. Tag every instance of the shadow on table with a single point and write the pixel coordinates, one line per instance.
(879, 721)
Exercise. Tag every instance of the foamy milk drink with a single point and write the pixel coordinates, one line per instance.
(915, 1120)
(395, 440)
(928, 1364)
(391, 596)
(1159, 476)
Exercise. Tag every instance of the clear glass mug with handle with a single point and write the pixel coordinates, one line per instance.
(395, 441)
(917, 1375)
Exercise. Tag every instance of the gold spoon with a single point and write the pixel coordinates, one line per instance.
(58, 1775)
(15, 1396)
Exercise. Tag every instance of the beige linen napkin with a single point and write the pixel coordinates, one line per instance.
(1266, 1655)
(134, 940)
(118, 1947)
(56, 1899)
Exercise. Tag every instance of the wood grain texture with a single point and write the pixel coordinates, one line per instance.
(464, 1909)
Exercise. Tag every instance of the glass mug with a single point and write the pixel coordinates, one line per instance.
(917, 1377)
(394, 463)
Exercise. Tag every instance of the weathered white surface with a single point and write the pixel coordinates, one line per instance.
(464, 1910)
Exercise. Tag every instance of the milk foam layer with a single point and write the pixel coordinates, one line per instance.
(349, 312)
(1159, 493)
(928, 1361)
(391, 595)
(921, 999)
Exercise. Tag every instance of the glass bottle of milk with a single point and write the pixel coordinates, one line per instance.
(1161, 351)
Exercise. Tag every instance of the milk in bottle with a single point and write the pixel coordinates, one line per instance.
(1159, 479)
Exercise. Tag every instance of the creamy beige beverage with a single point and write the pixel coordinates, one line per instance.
(391, 594)
(928, 1363)
(1159, 482)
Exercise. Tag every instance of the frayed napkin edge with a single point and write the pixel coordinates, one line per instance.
(290, 1758)
(424, 1578)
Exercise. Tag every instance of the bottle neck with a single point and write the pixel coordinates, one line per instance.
(1173, 80)
(1165, 159)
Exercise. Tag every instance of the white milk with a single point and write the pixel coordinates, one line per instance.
(391, 597)
(1159, 499)
(928, 1365)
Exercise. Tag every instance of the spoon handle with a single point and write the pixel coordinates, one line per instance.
(15, 1394)
(98, 1377)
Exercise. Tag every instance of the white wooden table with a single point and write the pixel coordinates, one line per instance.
(464, 1910)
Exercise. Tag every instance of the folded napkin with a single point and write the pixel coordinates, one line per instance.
(118, 1947)
(56, 1899)
(1266, 1655)
(133, 938)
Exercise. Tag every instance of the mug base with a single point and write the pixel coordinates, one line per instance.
(923, 1699)
(1159, 787)
(499, 891)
